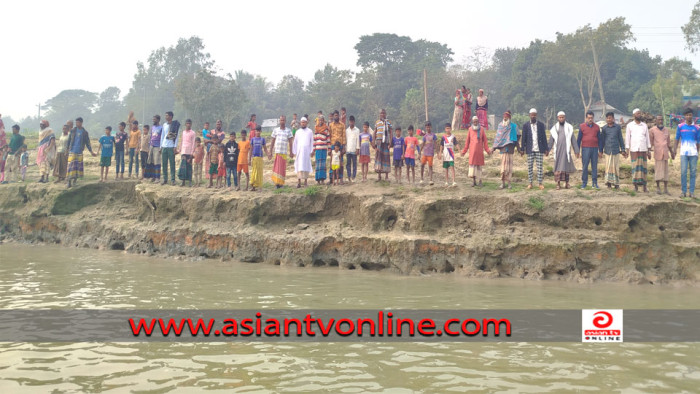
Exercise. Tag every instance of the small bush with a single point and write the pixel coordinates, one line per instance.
(536, 203)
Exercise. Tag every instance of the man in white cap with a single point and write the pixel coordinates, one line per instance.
(561, 140)
(303, 149)
(638, 146)
(534, 143)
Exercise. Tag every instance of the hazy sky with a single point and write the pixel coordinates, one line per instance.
(55, 45)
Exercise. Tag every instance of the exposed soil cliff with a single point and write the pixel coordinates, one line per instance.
(562, 235)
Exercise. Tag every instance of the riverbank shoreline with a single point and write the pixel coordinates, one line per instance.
(564, 235)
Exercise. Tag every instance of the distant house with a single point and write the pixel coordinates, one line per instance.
(599, 114)
(269, 124)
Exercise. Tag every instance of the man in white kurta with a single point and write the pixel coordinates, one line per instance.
(303, 149)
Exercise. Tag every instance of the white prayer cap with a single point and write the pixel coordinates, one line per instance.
(533, 111)
(475, 118)
(561, 113)
(635, 111)
(303, 119)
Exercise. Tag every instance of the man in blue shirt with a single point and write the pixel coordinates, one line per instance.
(688, 136)
(79, 140)
(106, 150)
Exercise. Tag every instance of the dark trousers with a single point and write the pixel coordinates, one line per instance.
(589, 156)
(144, 160)
(352, 165)
(133, 159)
(119, 160)
(168, 157)
(231, 171)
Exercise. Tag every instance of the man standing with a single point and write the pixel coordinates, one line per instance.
(154, 153)
(476, 144)
(506, 141)
(16, 142)
(60, 167)
(337, 129)
(661, 145)
(303, 149)
(638, 144)
(382, 139)
(79, 140)
(561, 140)
(589, 142)
(281, 146)
(46, 150)
(688, 136)
(482, 108)
(534, 143)
(352, 147)
(612, 144)
(168, 142)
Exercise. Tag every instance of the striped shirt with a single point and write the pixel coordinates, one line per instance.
(322, 138)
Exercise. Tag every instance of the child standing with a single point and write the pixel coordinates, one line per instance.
(243, 160)
(231, 159)
(257, 145)
(23, 161)
(107, 142)
(427, 149)
(213, 161)
(365, 143)
(410, 145)
(119, 141)
(198, 158)
(449, 144)
(335, 162)
(134, 143)
(145, 147)
(398, 144)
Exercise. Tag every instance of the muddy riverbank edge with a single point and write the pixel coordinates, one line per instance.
(556, 235)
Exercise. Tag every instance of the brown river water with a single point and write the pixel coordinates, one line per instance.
(43, 277)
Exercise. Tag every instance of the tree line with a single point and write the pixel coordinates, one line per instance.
(569, 73)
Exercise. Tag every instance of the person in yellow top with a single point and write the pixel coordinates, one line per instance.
(134, 144)
(337, 129)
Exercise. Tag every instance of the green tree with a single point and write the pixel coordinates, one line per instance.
(153, 88)
(70, 104)
(691, 30)
(110, 108)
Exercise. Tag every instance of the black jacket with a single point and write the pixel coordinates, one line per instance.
(541, 138)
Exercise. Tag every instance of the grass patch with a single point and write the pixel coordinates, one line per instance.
(536, 203)
(515, 188)
(580, 194)
(384, 183)
(490, 186)
(629, 191)
(312, 190)
(520, 174)
(282, 190)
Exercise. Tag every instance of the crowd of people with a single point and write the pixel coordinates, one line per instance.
(226, 158)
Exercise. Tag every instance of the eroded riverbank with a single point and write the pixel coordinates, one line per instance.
(563, 235)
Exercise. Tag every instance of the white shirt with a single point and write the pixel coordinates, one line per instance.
(535, 144)
(637, 137)
(353, 140)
